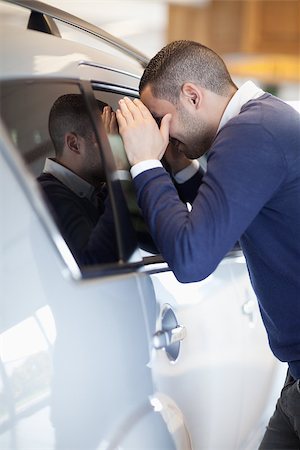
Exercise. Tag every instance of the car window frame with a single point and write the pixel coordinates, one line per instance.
(34, 194)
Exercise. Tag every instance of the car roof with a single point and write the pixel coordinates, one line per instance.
(27, 53)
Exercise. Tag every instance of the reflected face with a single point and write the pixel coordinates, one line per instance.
(93, 169)
(186, 128)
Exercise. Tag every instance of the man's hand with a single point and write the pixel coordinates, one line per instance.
(141, 136)
(174, 158)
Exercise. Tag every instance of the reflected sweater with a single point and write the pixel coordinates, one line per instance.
(250, 193)
(87, 229)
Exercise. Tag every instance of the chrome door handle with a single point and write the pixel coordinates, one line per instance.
(162, 339)
(170, 335)
(248, 309)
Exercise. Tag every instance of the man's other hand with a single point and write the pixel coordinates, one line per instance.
(174, 158)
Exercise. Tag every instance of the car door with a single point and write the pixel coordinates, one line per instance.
(75, 341)
(211, 362)
(213, 326)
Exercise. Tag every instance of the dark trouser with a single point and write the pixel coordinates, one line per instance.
(283, 430)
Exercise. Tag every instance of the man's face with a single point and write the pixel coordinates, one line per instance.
(93, 169)
(93, 165)
(192, 135)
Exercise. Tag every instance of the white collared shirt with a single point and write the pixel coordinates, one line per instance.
(79, 186)
(248, 91)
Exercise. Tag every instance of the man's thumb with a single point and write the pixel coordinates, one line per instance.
(165, 127)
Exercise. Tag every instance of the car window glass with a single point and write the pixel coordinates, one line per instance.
(51, 128)
(25, 109)
(143, 236)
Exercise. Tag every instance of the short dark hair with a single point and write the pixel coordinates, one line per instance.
(69, 114)
(186, 61)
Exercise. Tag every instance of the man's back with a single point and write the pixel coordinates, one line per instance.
(271, 244)
(257, 153)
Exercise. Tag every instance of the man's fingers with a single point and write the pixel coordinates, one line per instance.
(137, 125)
(112, 119)
(137, 108)
(121, 119)
(113, 124)
(132, 108)
(142, 108)
(126, 110)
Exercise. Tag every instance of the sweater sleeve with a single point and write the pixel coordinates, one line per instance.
(187, 191)
(244, 170)
(101, 246)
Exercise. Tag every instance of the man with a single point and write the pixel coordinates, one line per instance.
(73, 182)
(250, 191)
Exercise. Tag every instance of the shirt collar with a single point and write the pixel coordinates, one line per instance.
(79, 186)
(248, 91)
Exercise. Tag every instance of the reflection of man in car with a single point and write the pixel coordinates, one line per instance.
(74, 181)
(74, 185)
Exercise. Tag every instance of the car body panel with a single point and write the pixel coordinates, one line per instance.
(61, 58)
(86, 326)
(225, 349)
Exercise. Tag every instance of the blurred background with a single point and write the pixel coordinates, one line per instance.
(258, 39)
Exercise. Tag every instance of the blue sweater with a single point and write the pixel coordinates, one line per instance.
(250, 193)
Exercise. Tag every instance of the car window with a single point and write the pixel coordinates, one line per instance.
(25, 108)
(53, 129)
(144, 239)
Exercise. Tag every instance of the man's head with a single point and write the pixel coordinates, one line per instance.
(191, 82)
(73, 137)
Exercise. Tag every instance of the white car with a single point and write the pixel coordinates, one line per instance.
(118, 355)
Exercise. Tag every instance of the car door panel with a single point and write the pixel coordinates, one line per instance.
(224, 363)
(95, 370)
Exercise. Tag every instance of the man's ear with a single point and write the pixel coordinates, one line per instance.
(192, 94)
(72, 142)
